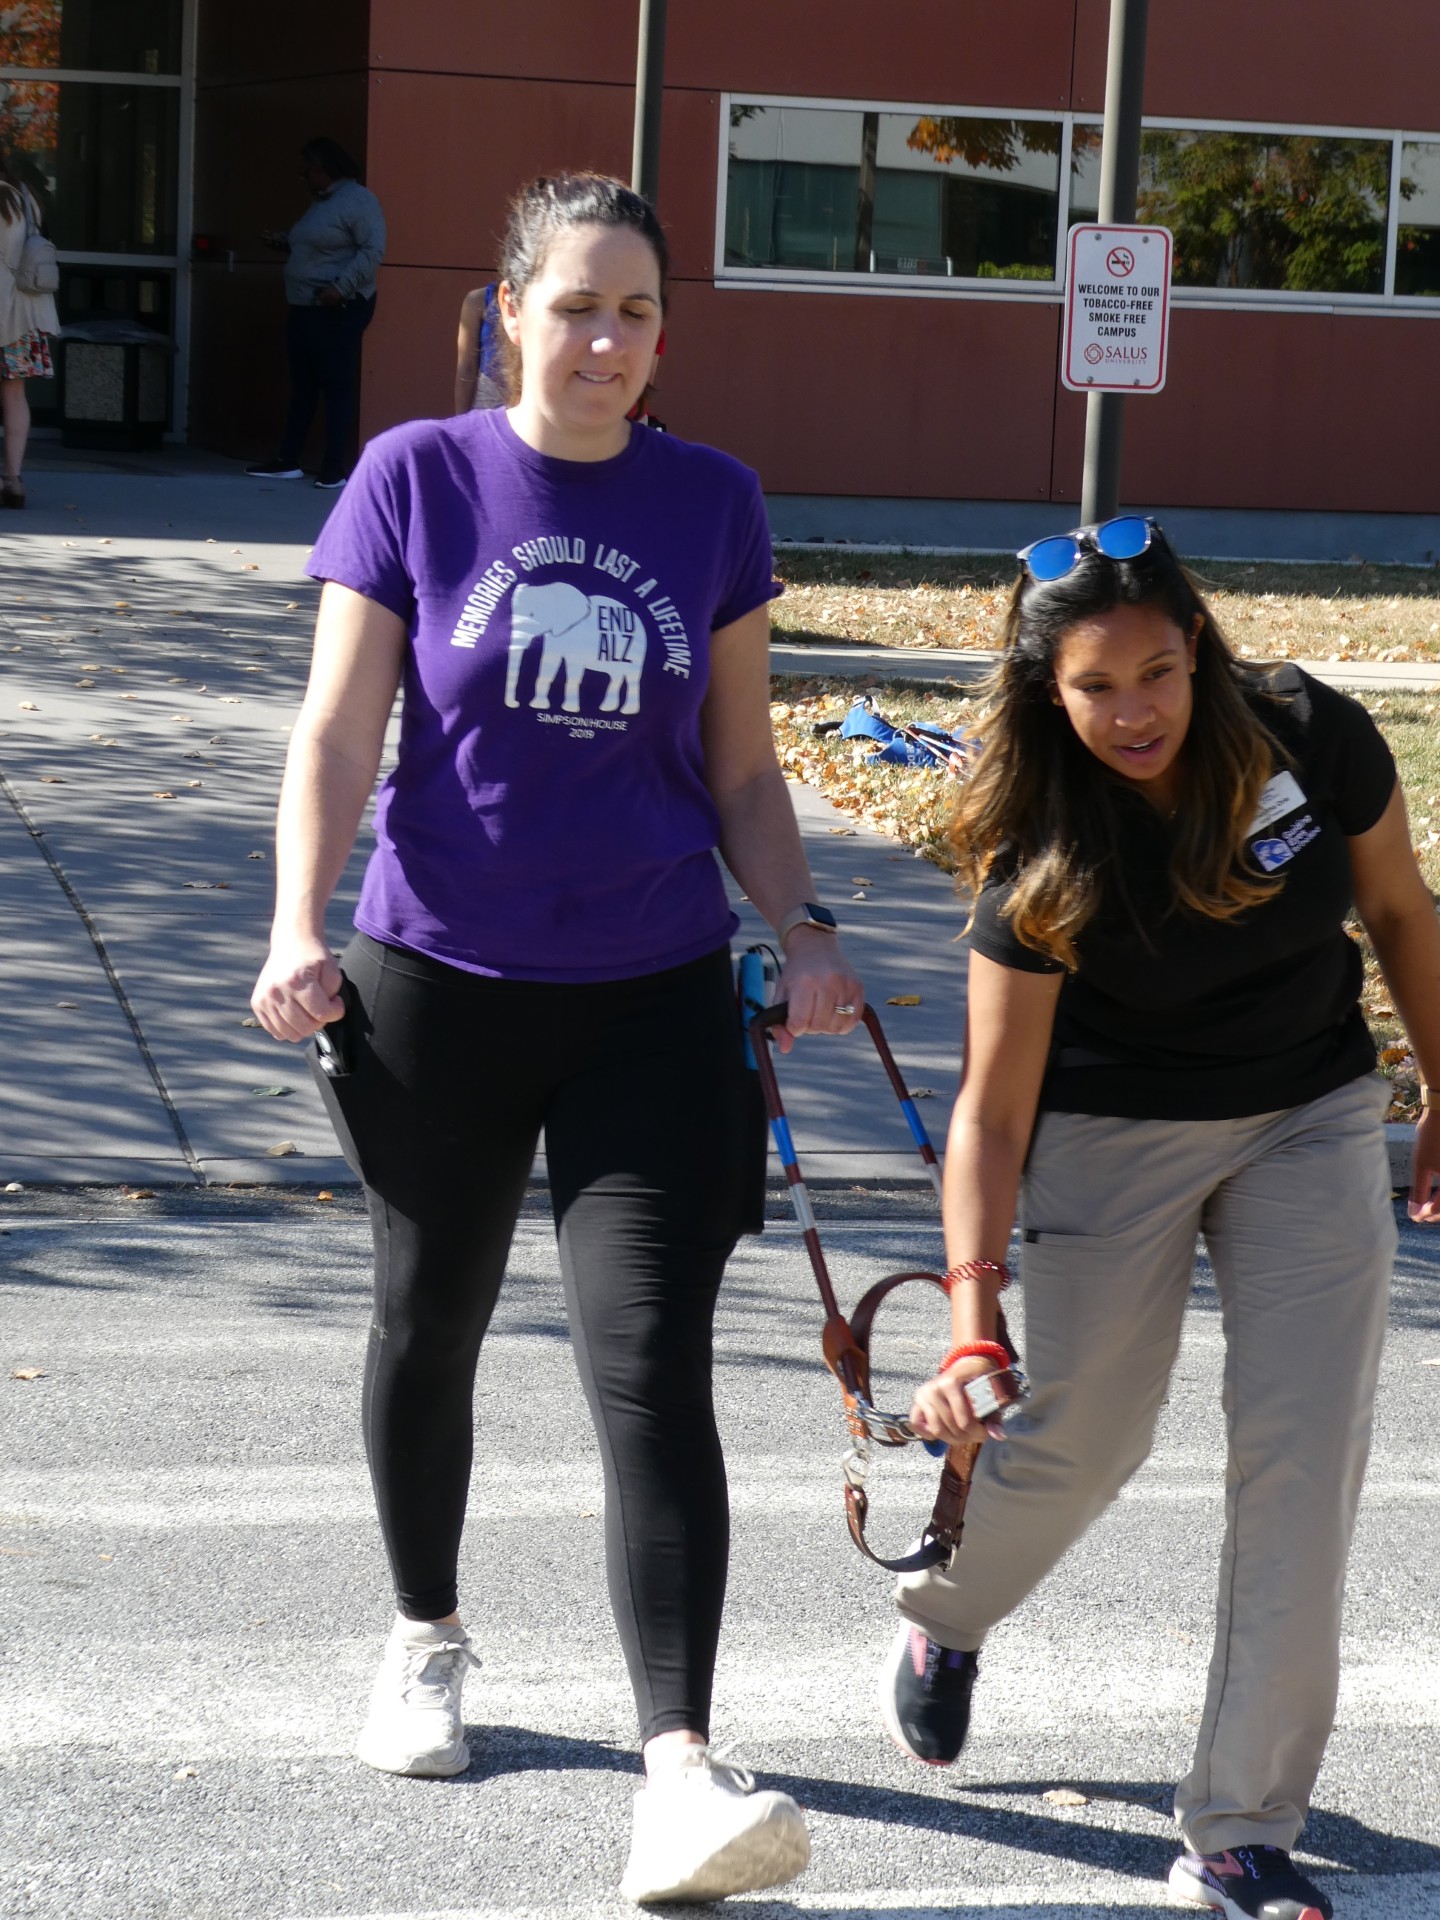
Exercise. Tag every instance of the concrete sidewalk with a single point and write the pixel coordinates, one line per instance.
(966, 667)
(154, 639)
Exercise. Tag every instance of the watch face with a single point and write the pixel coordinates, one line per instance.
(820, 916)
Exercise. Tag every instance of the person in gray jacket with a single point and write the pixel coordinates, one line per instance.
(333, 252)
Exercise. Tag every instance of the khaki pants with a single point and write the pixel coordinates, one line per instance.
(1295, 1209)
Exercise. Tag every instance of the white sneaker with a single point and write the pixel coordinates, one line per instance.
(414, 1724)
(701, 1831)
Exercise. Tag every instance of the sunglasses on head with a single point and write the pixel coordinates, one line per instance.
(1124, 538)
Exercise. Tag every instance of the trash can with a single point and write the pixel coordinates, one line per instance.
(114, 385)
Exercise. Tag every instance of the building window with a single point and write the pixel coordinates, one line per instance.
(1271, 212)
(858, 196)
(98, 36)
(838, 190)
(101, 158)
(1417, 238)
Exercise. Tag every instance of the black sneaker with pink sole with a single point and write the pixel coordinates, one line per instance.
(1248, 1883)
(924, 1696)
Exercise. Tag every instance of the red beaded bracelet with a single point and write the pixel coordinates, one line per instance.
(976, 1270)
(976, 1350)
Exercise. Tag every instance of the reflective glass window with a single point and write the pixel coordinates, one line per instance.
(1417, 238)
(840, 190)
(101, 159)
(1292, 212)
(98, 36)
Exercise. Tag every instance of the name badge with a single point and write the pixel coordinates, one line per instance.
(1278, 797)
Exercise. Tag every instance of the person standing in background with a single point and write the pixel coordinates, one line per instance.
(28, 322)
(479, 371)
(333, 253)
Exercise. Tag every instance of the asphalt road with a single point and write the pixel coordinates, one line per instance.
(192, 1601)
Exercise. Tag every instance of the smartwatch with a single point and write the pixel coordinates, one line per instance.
(808, 914)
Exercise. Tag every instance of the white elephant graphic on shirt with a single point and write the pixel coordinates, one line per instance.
(581, 634)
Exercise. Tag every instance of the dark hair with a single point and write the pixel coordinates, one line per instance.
(12, 188)
(324, 152)
(1039, 794)
(558, 203)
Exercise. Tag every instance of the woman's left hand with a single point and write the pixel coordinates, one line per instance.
(1425, 1177)
(819, 985)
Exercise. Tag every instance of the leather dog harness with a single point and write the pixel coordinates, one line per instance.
(846, 1342)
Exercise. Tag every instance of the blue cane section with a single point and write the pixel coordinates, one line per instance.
(784, 1145)
(915, 1124)
(752, 998)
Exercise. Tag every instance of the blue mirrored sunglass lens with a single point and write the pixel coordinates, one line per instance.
(1052, 559)
(1123, 539)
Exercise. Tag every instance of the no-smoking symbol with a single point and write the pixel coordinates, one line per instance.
(1120, 261)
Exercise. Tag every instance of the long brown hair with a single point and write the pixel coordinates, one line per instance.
(1040, 799)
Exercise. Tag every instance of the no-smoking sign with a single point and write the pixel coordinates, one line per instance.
(1117, 309)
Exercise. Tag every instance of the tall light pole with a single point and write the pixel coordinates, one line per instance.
(649, 95)
(1119, 184)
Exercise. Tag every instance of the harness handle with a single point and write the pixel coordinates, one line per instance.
(846, 1343)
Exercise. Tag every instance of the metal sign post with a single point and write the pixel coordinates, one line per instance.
(1119, 183)
(649, 95)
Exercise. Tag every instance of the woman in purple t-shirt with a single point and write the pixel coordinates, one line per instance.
(577, 609)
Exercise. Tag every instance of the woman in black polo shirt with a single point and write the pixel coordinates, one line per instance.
(1164, 1036)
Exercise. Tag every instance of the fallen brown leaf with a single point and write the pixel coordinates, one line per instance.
(27, 1373)
(324, 1194)
(1065, 1797)
(903, 1000)
(51, 780)
(249, 1021)
(140, 1193)
(162, 793)
(281, 1148)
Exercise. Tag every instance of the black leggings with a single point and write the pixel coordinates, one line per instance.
(650, 1139)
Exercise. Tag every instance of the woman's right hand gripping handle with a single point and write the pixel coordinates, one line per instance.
(942, 1411)
(298, 991)
(1010, 1016)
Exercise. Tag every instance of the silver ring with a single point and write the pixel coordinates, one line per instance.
(848, 1007)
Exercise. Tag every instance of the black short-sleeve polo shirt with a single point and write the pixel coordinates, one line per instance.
(1171, 1015)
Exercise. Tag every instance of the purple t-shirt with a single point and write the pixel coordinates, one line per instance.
(548, 818)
